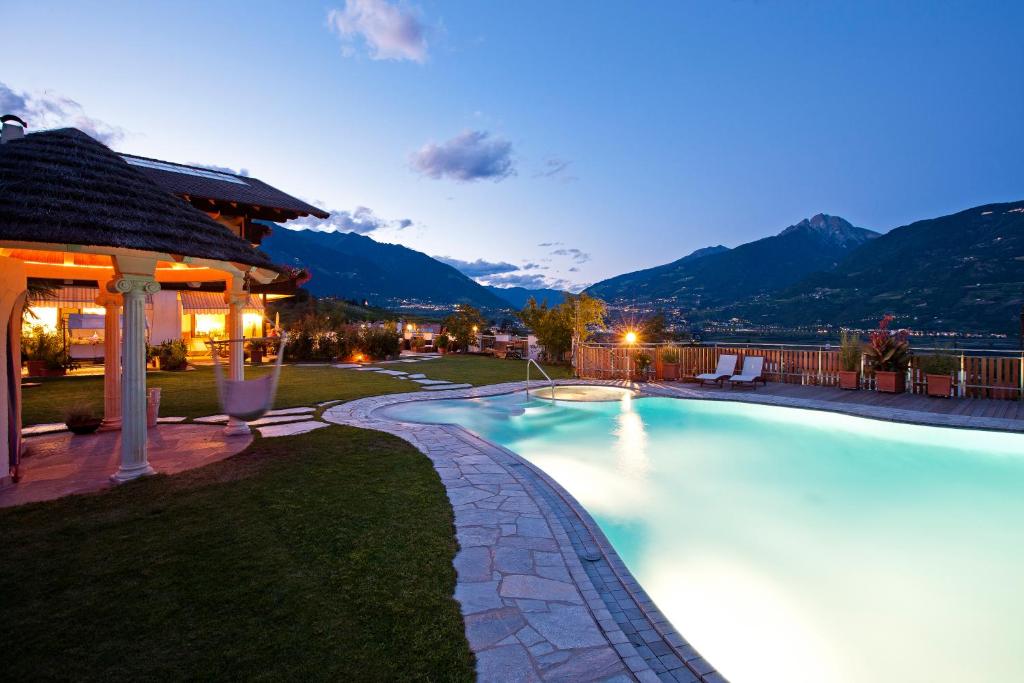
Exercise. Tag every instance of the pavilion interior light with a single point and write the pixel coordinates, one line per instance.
(252, 324)
(209, 324)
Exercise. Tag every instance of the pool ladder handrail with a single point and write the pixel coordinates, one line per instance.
(529, 362)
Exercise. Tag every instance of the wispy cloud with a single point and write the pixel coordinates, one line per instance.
(576, 255)
(528, 280)
(471, 155)
(385, 30)
(362, 220)
(550, 244)
(47, 109)
(478, 268)
(554, 167)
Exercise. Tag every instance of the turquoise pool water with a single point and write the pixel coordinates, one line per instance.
(787, 544)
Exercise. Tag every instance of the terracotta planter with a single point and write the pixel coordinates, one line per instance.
(36, 368)
(849, 379)
(670, 371)
(256, 356)
(940, 386)
(890, 382)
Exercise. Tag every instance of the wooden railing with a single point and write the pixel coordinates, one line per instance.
(982, 374)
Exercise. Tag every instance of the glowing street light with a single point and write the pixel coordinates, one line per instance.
(631, 337)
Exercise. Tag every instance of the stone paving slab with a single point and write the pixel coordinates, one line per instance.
(170, 420)
(290, 428)
(345, 366)
(211, 419)
(367, 368)
(393, 373)
(426, 381)
(277, 419)
(291, 411)
(446, 387)
(532, 611)
(45, 428)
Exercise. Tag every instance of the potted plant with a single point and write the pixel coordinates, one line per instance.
(442, 343)
(850, 351)
(939, 368)
(81, 418)
(173, 355)
(641, 364)
(44, 353)
(257, 350)
(670, 364)
(888, 353)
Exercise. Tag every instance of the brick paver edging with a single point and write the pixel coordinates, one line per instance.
(543, 593)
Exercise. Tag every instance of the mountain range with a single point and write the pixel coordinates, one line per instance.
(964, 271)
(352, 266)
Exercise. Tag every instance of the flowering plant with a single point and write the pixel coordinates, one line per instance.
(888, 350)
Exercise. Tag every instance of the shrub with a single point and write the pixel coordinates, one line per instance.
(939, 363)
(850, 350)
(641, 362)
(80, 413)
(48, 347)
(172, 355)
(442, 341)
(670, 356)
(888, 351)
(379, 344)
(316, 337)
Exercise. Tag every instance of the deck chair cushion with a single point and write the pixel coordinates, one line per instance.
(726, 366)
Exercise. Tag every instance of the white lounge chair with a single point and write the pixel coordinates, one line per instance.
(753, 372)
(726, 366)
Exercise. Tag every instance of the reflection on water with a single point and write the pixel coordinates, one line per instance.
(793, 545)
(631, 442)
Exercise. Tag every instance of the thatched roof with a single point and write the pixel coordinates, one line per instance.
(222, 190)
(64, 187)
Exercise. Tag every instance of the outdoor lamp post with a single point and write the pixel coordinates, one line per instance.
(630, 339)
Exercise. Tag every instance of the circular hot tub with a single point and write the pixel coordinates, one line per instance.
(583, 392)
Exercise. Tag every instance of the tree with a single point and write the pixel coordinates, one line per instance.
(563, 327)
(462, 326)
(653, 329)
(584, 312)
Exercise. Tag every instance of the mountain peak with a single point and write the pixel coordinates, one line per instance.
(832, 228)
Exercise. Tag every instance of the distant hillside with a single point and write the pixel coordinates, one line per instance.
(517, 297)
(720, 276)
(963, 271)
(354, 266)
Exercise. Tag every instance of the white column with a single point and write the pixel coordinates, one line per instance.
(134, 457)
(236, 297)
(111, 359)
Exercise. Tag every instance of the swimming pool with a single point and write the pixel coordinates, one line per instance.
(787, 544)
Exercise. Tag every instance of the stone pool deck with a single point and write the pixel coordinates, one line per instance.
(543, 593)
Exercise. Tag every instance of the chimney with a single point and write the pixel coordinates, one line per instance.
(13, 128)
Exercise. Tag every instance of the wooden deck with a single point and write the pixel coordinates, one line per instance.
(959, 412)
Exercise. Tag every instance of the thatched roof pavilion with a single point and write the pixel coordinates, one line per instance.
(72, 209)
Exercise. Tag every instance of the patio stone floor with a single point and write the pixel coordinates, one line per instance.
(543, 593)
(56, 465)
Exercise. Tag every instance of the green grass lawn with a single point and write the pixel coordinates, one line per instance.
(322, 556)
(194, 394)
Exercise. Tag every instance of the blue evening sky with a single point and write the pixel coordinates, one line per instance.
(631, 133)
